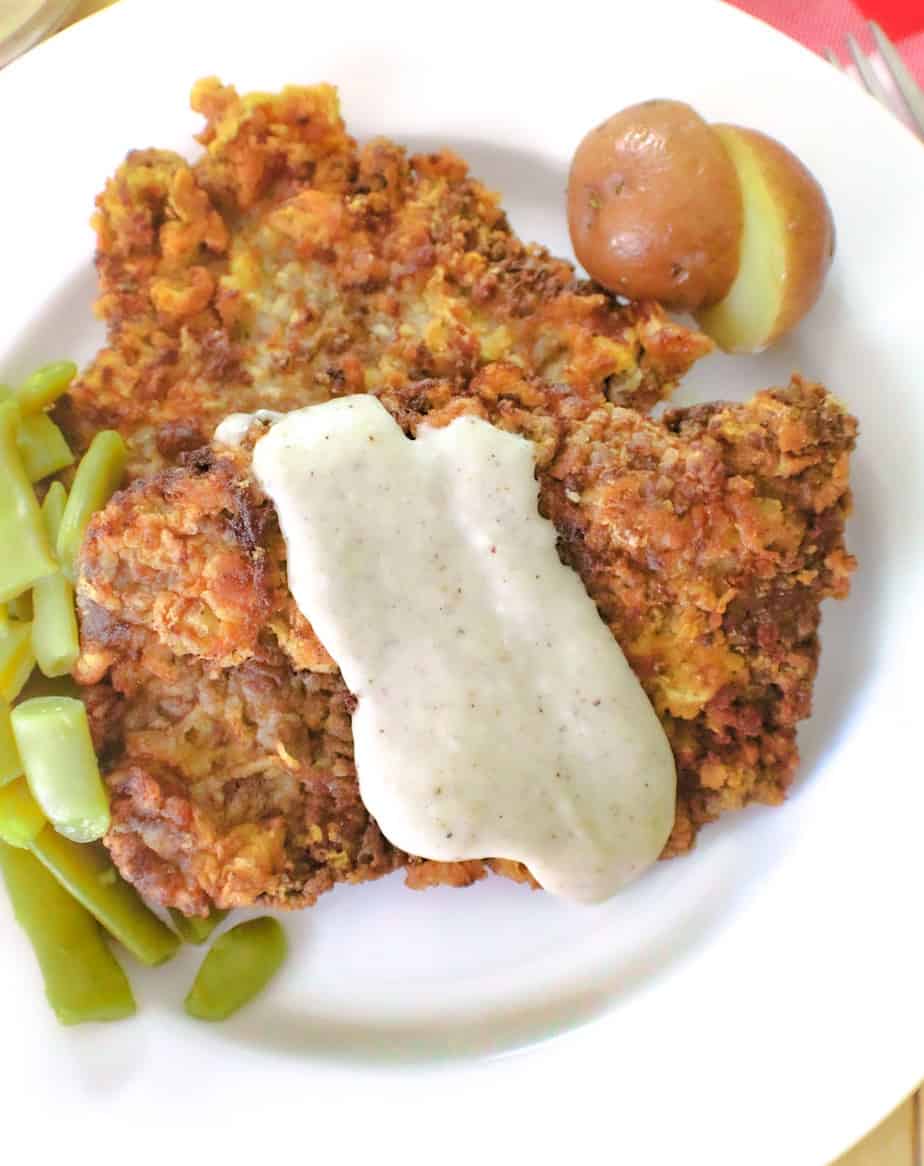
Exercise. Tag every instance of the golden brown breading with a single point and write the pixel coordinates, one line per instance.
(287, 266)
(707, 541)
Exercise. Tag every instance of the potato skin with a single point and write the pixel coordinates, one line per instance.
(654, 206)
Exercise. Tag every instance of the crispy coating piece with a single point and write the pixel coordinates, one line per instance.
(707, 541)
(708, 551)
(287, 265)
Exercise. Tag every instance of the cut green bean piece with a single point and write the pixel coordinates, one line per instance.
(45, 385)
(193, 929)
(53, 737)
(83, 980)
(92, 879)
(239, 966)
(42, 447)
(16, 659)
(10, 765)
(55, 639)
(21, 818)
(53, 510)
(97, 479)
(26, 555)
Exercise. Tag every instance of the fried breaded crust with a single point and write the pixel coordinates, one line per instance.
(707, 541)
(287, 266)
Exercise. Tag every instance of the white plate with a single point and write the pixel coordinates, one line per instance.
(756, 1002)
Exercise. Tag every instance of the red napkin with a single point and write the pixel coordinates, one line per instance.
(824, 24)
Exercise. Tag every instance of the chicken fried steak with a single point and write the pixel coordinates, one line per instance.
(707, 540)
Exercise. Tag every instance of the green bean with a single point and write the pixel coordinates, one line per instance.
(55, 639)
(53, 510)
(239, 966)
(42, 447)
(21, 819)
(83, 981)
(53, 737)
(45, 385)
(16, 659)
(26, 553)
(10, 765)
(97, 479)
(192, 929)
(92, 879)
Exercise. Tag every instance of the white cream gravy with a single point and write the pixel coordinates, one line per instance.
(496, 714)
(236, 426)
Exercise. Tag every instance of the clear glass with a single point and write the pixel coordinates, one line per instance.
(37, 22)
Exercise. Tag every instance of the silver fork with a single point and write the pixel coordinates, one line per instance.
(907, 87)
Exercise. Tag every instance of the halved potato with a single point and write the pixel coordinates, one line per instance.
(787, 244)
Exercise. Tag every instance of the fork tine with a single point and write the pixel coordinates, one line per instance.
(905, 83)
(832, 57)
(867, 73)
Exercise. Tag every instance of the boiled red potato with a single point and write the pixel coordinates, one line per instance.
(718, 220)
(654, 206)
